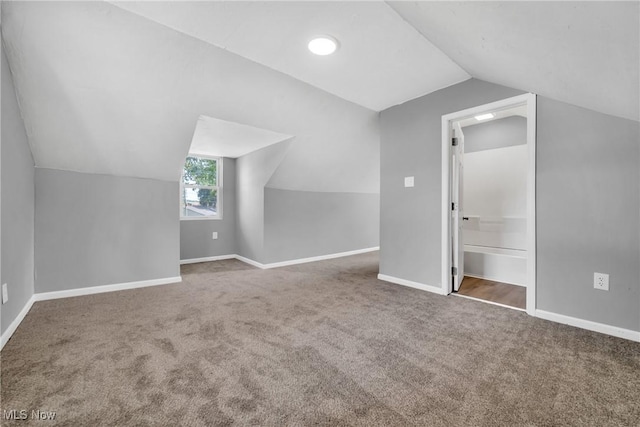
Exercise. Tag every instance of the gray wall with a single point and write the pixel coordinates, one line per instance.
(273, 225)
(499, 133)
(410, 145)
(336, 144)
(588, 191)
(301, 224)
(17, 205)
(252, 174)
(195, 235)
(587, 201)
(96, 230)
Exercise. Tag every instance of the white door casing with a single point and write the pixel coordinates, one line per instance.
(529, 100)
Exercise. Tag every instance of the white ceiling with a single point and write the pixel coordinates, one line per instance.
(103, 90)
(497, 115)
(582, 53)
(381, 61)
(221, 138)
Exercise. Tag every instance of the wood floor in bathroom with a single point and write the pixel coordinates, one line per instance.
(502, 293)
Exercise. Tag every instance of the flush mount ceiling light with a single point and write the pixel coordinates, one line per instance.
(485, 116)
(323, 45)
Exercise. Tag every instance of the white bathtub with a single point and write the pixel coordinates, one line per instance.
(497, 264)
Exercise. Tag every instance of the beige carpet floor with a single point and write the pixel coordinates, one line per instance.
(322, 344)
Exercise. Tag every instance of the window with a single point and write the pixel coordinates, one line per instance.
(201, 188)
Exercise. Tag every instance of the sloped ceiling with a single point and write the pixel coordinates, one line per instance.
(103, 90)
(119, 89)
(582, 53)
(95, 96)
(381, 61)
(221, 138)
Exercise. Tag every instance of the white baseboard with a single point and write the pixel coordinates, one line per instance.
(429, 288)
(16, 322)
(320, 258)
(304, 260)
(43, 296)
(207, 259)
(589, 325)
(105, 288)
(155, 282)
(493, 279)
(250, 261)
(559, 318)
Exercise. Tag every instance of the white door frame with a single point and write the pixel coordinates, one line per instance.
(529, 100)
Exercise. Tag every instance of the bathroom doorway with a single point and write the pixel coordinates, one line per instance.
(488, 228)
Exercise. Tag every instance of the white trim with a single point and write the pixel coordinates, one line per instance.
(528, 99)
(320, 258)
(531, 204)
(445, 232)
(477, 276)
(250, 261)
(305, 260)
(589, 325)
(429, 288)
(105, 288)
(489, 302)
(16, 322)
(553, 317)
(78, 292)
(207, 259)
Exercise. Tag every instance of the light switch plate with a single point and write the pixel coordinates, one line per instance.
(214, 235)
(408, 181)
(5, 293)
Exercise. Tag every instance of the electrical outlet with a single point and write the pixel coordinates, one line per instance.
(214, 235)
(5, 293)
(601, 281)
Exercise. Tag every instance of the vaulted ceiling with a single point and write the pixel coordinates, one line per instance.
(381, 62)
(582, 53)
(118, 88)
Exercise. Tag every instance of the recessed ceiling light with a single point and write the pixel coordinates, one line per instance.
(323, 45)
(485, 116)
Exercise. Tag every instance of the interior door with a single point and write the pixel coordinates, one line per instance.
(457, 184)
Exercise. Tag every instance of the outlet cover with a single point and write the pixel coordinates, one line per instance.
(214, 235)
(5, 293)
(408, 181)
(601, 281)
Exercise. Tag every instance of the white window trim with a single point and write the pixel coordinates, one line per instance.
(219, 188)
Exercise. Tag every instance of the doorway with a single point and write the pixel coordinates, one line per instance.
(497, 237)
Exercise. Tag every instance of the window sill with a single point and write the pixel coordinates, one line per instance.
(196, 218)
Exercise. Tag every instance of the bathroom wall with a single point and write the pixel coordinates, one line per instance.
(495, 183)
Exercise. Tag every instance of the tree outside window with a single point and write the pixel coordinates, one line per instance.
(200, 192)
